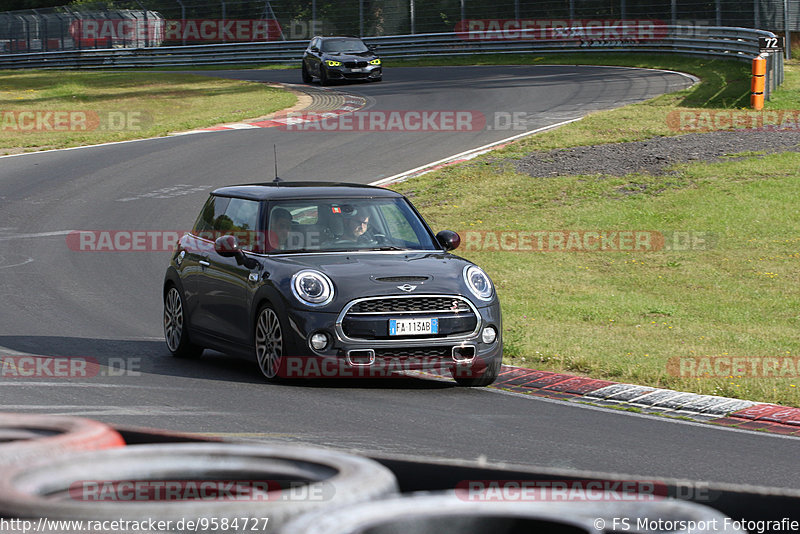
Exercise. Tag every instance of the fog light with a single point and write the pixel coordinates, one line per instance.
(489, 334)
(319, 341)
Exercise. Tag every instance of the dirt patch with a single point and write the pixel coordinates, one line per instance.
(655, 156)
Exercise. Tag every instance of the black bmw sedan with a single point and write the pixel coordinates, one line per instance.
(340, 58)
(319, 280)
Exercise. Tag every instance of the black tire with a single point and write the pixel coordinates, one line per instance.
(323, 76)
(28, 437)
(319, 478)
(269, 342)
(176, 334)
(439, 512)
(307, 78)
(478, 379)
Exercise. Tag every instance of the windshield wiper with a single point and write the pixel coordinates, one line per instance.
(387, 247)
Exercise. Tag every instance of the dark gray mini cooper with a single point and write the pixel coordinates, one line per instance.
(319, 280)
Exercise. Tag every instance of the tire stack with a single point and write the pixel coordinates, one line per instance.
(45, 474)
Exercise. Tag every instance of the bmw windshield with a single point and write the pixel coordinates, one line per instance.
(344, 46)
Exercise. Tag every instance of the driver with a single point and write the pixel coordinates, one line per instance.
(280, 224)
(355, 227)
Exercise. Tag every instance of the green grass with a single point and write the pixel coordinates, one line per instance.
(117, 106)
(624, 316)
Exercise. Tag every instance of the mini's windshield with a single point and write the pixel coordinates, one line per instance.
(344, 46)
(330, 225)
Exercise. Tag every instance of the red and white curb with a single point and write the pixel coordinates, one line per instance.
(350, 104)
(725, 411)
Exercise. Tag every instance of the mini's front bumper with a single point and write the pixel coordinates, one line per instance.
(343, 357)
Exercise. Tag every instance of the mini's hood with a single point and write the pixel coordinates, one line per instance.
(366, 274)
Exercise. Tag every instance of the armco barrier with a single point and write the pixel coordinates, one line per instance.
(710, 41)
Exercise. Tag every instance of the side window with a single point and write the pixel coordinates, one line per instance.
(213, 209)
(241, 219)
(240, 215)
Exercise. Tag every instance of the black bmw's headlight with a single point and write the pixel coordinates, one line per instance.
(312, 287)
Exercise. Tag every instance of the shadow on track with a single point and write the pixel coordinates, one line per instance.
(125, 358)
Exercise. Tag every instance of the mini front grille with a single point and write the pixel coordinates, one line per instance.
(412, 304)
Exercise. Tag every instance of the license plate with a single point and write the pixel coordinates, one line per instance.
(411, 327)
(358, 70)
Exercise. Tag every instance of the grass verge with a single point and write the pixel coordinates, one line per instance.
(99, 107)
(628, 316)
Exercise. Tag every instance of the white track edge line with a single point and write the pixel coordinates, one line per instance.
(400, 176)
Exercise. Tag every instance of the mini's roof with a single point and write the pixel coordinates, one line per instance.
(300, 190)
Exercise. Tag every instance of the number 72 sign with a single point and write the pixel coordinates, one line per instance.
(770, 43)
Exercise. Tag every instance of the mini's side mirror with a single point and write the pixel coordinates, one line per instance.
(448, 239)
(227, 246)
(314, 49)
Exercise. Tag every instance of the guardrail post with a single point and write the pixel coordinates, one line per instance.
(768, 75)
(224, 15)
(757, 84)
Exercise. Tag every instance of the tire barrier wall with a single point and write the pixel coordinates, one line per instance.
(47, 478)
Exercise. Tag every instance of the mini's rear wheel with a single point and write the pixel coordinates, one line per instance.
(306, 75)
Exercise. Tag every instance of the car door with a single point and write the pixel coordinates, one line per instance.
(224, 289)
(196, 247)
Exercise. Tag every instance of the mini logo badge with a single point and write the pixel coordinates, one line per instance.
(407, 288)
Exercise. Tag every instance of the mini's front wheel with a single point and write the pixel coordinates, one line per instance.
(478, 378)
(175, 333)
(269, 342)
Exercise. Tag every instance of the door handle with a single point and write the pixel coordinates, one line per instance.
(204, 263)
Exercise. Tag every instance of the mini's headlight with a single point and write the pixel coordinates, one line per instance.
(332, 63)
(478, 282)
(312, 287)
(376, 61)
